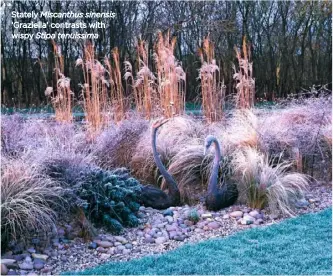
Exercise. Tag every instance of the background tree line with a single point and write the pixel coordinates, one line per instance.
(291, 42)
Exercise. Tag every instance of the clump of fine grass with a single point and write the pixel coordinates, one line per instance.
(301, 131)
(261, 184)
(212, 89)
(11, 135)
(244, 77)
(170, 140)
(116, 145)
(171, 77)
(187, 169)
(242, 130)
(29, 200)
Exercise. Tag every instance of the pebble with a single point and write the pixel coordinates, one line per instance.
(149, 240)
(120, 239)
(302, 203)
(188, 222)
(38, 264)
(46, 270)
(101, 249)
(213, 225)
(254, 213)
(160, 240)
(126, 251)
(314, 200)
(170, 228)
(206, 215)
(31, 250)
(226, 216)
(4, 269)
(109, 238)
(92, 245)
(245, 221)
(111, 250)
(121, 247)
(19, 257)
(40, 256)
(104, 243)
(104, 256)
(8, 261)
(172, 234)
(26, 265)
(259, 221)
(128, 246)
(179, 238)
(168, 212)
(236, 214)
(169, 219)
(161, 225)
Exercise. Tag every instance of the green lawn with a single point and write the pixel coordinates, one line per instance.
(301, 245)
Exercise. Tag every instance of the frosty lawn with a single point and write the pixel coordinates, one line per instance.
(297, 246)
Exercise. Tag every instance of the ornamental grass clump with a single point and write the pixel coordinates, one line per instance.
(12, 135)
(118, 101)
(145, 88)
(171, 77)
(102, 91)
(94, 90)
(301, 131)
(212, 89)
(116, 145)
(260, 183)
(244, 77)
(60, 93)
(171, 138)
(30, 200)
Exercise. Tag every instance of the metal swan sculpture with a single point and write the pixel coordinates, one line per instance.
(218, 196)
(155, 197)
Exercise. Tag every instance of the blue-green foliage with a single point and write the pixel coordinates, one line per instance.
(193, 215)
(110, 198)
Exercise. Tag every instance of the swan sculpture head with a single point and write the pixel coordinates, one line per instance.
(208, 142)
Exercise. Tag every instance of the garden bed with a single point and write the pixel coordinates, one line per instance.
(159, 231)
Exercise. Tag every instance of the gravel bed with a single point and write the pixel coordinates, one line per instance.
(159, 231)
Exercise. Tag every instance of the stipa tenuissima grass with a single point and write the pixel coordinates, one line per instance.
(261, 184)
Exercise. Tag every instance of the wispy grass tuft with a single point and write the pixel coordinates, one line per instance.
(261, 184)
(29, 200)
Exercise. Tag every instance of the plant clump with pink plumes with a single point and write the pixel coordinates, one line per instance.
(212, 88)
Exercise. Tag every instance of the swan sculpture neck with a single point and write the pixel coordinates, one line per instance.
(213, 180)
(171, 183)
